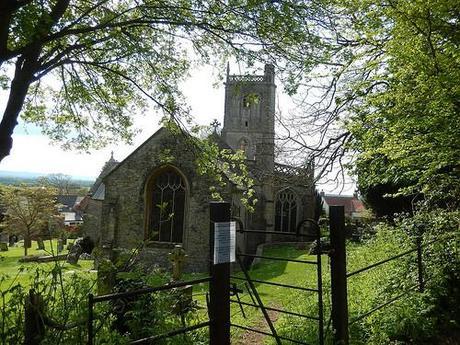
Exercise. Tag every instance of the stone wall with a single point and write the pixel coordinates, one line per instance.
(92, 219)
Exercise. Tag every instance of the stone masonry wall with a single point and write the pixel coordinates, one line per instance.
(125, 196)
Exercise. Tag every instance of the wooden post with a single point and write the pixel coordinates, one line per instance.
(421, 283)
(339, 312)
(219, 286)
(34, 326)
(90, 319)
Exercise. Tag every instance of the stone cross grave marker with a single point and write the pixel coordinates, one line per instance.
(177, 258)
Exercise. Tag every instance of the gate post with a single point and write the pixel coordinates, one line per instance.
(219, 286)
(339, 312)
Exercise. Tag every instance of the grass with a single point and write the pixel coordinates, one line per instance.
(365, 292)
(12, 271)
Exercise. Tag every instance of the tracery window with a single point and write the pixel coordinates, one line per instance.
(286, 211)
(166, 194)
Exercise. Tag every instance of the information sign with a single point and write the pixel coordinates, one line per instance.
(224, 242)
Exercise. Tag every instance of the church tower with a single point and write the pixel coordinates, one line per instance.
(249, 118)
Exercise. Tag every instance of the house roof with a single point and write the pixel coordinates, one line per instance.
(350, 202)
(69, 201)
(71, 217)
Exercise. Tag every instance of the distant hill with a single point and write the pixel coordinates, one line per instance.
(17, 177)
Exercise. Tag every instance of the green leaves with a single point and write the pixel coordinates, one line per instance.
(407, 133)
(107, 60)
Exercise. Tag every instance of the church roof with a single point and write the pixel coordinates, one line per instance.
(108, 167)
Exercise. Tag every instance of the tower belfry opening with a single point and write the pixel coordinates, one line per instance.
(250, 111)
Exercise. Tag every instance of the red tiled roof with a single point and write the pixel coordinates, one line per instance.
(351, 203)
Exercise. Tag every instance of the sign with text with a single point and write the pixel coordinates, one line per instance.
(224, 242)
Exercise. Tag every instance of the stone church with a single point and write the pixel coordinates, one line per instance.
(126, 205)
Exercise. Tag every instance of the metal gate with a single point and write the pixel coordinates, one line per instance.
(256, 299)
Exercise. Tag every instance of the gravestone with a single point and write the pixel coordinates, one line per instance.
(12, 240)
(4, 242)
(177, 258)
(81, 245)
(40, 244)
(60, 245)
(74, 253)
(183, 294)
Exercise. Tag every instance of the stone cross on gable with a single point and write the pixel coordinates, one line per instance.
(177, 257)
(215, 124)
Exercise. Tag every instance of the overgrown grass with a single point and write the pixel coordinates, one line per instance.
(410, 320)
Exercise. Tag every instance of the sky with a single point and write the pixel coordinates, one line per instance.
(33, 152)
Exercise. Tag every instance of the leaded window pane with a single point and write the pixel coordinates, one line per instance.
(166, 221)
(286, 211)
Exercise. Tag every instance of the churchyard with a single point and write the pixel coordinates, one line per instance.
(13, 271)
(158, 311)
(357, 95)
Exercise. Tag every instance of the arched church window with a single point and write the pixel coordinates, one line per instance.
(166, 193)
(286, 211)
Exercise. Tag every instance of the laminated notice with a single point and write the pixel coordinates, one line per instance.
(224, 242)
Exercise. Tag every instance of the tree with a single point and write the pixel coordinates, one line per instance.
(406, 128)
(61, 182)
(79, 69)
(29, 210)
(388, 103)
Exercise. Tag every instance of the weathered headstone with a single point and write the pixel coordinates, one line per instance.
(74, 253)
(81, 245)
(3, 241)
(184, 293)
(40, 244)
(60, 245)
(12, 240)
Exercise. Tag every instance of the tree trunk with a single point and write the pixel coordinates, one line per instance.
(26, 66)
(27, 244)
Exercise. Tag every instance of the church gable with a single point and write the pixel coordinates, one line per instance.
(162, 170)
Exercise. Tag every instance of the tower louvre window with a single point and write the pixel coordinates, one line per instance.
(286, 211)
(250, 99)
(166, 193)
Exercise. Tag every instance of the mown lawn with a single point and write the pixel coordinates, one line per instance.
(12, 271)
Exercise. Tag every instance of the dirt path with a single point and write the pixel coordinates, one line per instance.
(253, 338)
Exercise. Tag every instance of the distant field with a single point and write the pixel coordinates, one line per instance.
(15, 178)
